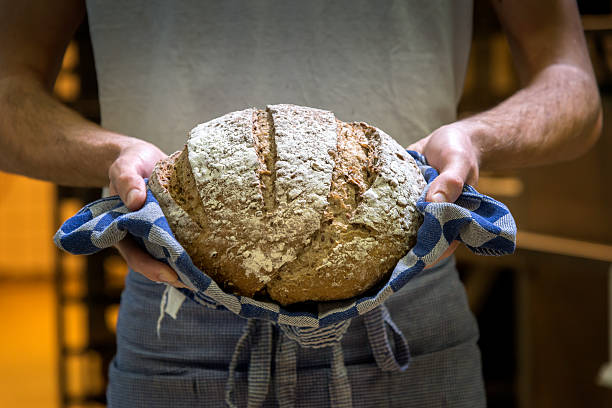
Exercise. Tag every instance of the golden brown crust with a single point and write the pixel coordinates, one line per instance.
(173, 184)
(344, 258)
(332, 212)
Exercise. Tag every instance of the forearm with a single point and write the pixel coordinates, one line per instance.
(42, 138)
(557, 116)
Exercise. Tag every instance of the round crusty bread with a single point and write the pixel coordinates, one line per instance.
(291, 202)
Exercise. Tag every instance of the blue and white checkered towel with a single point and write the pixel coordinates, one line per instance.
(483, 224)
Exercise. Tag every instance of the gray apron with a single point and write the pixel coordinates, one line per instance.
(187, 364)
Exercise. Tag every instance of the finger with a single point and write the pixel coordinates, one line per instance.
(447, 187)
(449, 251)
(128, 183)
(418, 146)
(143, 263)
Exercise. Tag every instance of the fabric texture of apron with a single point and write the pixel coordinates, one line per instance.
(187, 365)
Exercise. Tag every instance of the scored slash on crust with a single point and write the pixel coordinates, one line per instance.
(264, 140)
(292, 202)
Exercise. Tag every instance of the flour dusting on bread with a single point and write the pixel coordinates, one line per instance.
(291, 202)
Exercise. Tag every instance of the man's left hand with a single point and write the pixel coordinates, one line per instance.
(449, 149)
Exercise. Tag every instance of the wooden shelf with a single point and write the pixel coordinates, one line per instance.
(597, 22)
(534, 241)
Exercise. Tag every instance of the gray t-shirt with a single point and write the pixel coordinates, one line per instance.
(165, 66)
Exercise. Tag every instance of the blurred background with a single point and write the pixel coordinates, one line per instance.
(543, 313)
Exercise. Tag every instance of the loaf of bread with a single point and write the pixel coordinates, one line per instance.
(290, 203)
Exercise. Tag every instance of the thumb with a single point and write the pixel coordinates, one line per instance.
(126, 181)
(418, 146)
(447, 187)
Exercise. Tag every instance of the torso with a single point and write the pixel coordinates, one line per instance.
(164, 67)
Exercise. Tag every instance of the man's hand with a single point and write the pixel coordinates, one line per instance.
(555, 116)
(135, 161)
(141, 262)
(42, 138)
(126, 174)
(450, 150)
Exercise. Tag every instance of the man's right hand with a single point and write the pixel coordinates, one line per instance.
(126, 175)
(42, 138)
(136, 161)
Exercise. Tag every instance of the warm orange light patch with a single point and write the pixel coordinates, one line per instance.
(26, 227)
(68, 83)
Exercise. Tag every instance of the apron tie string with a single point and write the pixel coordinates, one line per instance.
(257, 338)
(339, 384)
(258, 334)
(376, 322)
(286, 371)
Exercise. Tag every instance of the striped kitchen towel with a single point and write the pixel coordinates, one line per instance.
(483, 224)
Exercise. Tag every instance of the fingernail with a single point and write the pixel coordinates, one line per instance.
(167, 277)
(438, 197)
(131, 196)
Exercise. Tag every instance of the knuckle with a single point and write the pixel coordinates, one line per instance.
(113, 170)
(125, 179)
(454, 181)
(112, 188)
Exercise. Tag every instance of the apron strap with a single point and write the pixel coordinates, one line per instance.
(258, 334)
(339, 384)
(339, 387)
(286, 372)
(376, 322)
(257, 338)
